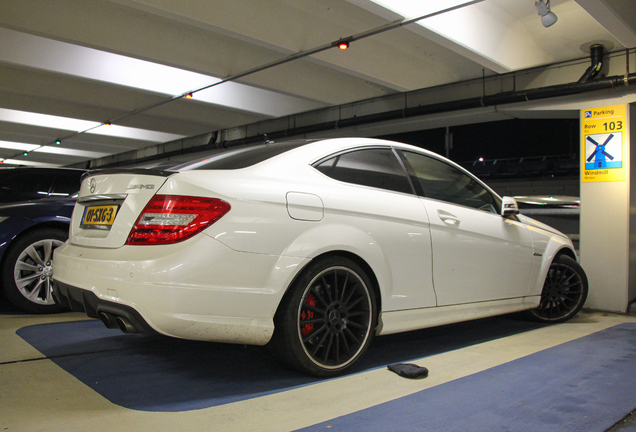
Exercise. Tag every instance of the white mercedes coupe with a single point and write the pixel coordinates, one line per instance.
(309, 247)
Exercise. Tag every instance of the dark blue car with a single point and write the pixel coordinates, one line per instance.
(29, 233)
(33, 183)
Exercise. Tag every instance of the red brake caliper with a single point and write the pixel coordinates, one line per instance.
(307, 315)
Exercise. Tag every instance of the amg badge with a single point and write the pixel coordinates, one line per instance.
(140, 186)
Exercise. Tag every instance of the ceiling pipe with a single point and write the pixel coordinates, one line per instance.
(596, 52)
(477, 102)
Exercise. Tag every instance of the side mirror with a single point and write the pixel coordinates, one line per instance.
(509, 206)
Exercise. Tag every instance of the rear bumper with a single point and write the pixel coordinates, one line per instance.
(198, 289)
(79, 300)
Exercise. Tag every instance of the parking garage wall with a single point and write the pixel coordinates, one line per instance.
(569, 186)
(565, 220)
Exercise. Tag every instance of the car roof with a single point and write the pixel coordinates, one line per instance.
(309, 150)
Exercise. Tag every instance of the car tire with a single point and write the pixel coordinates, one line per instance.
(327, 319)
(564, 292)
(27, 270)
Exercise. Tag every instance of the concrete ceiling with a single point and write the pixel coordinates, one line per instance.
(69, 66)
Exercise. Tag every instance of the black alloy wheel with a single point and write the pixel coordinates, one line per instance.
(564, 292)
(327, 320)
(27, 270)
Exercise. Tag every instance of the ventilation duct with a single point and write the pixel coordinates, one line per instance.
(596, 52)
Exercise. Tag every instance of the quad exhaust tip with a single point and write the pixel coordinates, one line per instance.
(117, 322)
(125, 325)
(108, 320)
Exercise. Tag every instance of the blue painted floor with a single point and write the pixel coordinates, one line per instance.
(584, 385)
(157, 373)
(587, 384)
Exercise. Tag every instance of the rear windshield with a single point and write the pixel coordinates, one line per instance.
(242, 157)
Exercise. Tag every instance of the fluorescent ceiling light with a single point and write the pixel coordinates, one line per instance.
(65, 58)
(69, 59)
(45, 120)
(415, 8)
(26, 162)
(482, 32)
(17, 146)
(75, 125)
(36, 148)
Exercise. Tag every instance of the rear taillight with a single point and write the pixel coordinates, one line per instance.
(170, 219)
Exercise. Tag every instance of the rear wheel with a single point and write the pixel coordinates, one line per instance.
(564, 292)
(27, 270)
(326, 321)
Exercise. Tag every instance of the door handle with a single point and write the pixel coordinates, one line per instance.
(448, 218)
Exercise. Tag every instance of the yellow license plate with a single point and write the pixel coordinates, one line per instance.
(99, 216)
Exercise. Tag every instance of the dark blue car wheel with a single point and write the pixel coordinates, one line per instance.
(27, 270)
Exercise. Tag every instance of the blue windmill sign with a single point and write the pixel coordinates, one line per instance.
(605, 155)
(605, 141)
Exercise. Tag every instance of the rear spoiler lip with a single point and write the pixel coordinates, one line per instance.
(143, 171)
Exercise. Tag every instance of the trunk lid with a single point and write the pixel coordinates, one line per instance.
(109, 203)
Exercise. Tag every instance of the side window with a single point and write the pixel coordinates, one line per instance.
(444, 182)
(66, 184)
(25, 186)
(378, 168)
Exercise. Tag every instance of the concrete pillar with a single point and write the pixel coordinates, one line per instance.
(606, 207)
(632, 219)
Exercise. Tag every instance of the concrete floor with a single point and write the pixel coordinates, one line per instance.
(54, 392)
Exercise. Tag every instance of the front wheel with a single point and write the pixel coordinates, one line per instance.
(327, 319)
(27, 270)
(564, 292)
